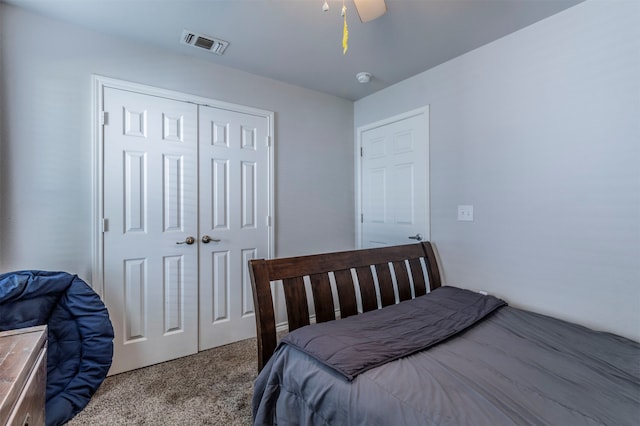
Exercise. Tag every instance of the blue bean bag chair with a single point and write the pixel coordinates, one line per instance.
(80, 345)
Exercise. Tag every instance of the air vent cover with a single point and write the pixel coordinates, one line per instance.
(205, 42)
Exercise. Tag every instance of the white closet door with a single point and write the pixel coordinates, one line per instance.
(150, 205)
(234, 209)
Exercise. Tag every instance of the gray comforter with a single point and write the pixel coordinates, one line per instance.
(512, 368)
(362, 342)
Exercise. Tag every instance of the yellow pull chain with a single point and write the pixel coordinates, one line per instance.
(345, 31)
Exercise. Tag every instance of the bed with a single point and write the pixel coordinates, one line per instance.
(398, 348)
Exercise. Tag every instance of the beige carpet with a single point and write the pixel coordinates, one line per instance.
(213, 387)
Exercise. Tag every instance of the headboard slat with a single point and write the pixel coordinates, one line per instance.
(402, 280)
(419, 286)
(322, 297)
(346, 293)
(387, 295)
(367, 289)
(294, 292)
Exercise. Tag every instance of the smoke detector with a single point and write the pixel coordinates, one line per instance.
(363, 77)
(201, 41)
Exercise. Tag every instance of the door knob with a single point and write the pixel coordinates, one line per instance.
(416, 237)
(207, 239)
(189, 240)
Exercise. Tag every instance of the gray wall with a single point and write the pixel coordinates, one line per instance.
(46, 138)
(540, 131)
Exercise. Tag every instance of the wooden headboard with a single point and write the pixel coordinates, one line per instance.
(405, 262)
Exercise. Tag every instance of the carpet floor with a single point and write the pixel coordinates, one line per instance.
(213, 387)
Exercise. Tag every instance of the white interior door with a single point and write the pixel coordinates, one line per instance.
(234, 214)
(150, 205)
(394, 167)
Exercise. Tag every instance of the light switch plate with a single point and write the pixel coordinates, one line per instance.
(465, 213)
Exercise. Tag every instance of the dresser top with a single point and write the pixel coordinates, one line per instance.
(19, 350)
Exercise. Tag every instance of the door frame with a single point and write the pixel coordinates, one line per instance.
(424, 111)
(98, 84)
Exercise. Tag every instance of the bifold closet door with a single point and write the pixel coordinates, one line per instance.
(233, 156)
(150, 216)
(186, 206)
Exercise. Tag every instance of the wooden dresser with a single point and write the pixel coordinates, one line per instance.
(23, 376)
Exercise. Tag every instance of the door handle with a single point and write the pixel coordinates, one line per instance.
(207, 239)
(416, 237)
(189, 240)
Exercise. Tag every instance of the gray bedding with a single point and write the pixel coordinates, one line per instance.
(361, 342)
(512, 368)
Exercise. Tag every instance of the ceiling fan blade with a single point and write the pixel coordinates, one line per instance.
(368, 10)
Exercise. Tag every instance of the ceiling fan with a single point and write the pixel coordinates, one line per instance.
(368, 10)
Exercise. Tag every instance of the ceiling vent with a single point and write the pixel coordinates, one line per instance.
(205, 42)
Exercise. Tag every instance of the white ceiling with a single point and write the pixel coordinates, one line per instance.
(294, 41)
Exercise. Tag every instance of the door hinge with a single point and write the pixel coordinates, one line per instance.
(104, 118)
(361, 154)
(268, 141)
(361, 218)
(268, 221)
(104, 224)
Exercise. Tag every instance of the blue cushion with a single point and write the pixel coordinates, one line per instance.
(80, 334)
